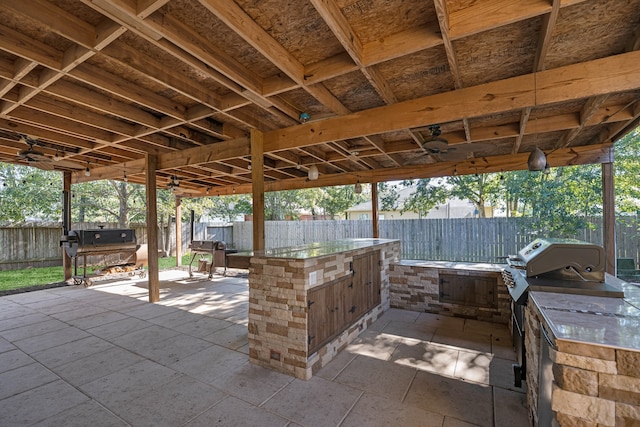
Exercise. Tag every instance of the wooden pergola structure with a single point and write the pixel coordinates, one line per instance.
(239, 96)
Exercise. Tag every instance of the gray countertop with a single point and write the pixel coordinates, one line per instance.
(611, 322)
(318, 249)
(454, 265)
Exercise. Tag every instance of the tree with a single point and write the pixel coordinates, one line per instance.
(475, 188)
(27, 192)
(627, 171)
(108, 201)
(229, 207)
(388, 196)
(428, 194)
(336, 200)
(281, 205)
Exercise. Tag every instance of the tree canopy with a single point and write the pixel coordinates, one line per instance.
(558, 201)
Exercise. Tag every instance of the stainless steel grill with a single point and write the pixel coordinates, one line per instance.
(552, 265)
(81, 244)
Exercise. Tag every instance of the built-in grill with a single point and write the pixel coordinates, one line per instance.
(218, 251)
(552, 265)
(81, 244)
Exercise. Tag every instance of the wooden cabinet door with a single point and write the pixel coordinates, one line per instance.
(326, 312)
(466, 290)
(361, 276)
(373, 284)
(320, 324)
(366, 281)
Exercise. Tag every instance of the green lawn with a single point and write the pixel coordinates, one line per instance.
(16, 279)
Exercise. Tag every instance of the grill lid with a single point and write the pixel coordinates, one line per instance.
(562, 259)
(558, 265)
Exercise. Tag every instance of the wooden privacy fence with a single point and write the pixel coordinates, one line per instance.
(471, 240)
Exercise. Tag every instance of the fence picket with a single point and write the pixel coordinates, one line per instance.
(460, 239)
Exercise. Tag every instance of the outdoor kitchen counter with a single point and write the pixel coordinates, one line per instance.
(611, 322)
(308, 302)
(588, 372)
(319, 249)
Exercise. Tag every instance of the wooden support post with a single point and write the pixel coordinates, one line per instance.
(609, 217)
(66, 221)
(257, 181)
(178, 231)
(374, 210)
(152, 227)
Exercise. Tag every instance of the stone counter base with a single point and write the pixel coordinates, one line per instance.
(416, 286)
(593, 386)
(279, 308)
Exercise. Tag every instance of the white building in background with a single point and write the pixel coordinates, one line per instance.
(454, 208)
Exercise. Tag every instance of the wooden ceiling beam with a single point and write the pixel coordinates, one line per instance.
(489, 14)
(597, 77)
(243, 25)
(601, 153)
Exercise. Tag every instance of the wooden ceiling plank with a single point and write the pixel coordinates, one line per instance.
(60, 124)
(145, 8)
(588, 110)
(125, 13)
(98, 101)
(322, 94)
(401, 44)
(334, 66)
(572, 156)
(548, 26)
(107, 32)
(235, 18)
(333, 17)
(206, 153)
(600, 76)
(57, 20)
(190, 41)
(242, 24)
(122, 88)
(28, 48)
(489, 14)
(169, 77)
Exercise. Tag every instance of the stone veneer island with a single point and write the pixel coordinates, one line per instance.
(307, 303)
(586, 372)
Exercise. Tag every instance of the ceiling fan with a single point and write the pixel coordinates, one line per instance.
(438, 148)
(32, 156)
(38, 159)
(436, 144)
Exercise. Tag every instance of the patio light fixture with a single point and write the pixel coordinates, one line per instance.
(537, 160)
(313, 173)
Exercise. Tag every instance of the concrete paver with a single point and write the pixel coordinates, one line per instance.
(104, 356)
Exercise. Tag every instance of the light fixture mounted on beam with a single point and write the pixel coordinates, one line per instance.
(313, 173)
(357, 188)
(537, 160)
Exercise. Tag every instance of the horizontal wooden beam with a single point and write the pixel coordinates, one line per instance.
(591, 154)
(573, 82)
(190, 157)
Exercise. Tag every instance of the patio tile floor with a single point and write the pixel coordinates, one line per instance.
(104, 356)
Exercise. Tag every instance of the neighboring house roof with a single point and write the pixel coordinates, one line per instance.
(458, 208)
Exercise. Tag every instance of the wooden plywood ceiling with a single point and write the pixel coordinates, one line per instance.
(100, 83)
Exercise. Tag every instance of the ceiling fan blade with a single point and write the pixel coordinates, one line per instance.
(47, 166)
(68, 164)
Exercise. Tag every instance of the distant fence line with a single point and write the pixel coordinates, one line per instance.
(472, 240)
